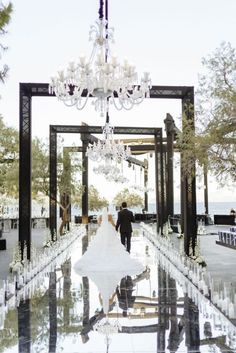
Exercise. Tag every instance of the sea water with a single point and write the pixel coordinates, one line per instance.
(215, 208)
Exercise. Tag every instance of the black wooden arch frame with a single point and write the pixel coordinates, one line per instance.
(86, 137)
(188, 185)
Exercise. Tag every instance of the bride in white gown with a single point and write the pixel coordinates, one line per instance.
(106, 252)
(106, 261)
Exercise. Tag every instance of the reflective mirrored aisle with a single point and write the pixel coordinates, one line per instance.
(154, 311)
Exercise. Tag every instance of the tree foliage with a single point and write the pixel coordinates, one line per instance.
(96, 202)
(9, 152)
(214, 143)
(5, 16)
(69, 167)
(132, 199)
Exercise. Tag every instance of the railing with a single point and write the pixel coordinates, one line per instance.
(227, 238)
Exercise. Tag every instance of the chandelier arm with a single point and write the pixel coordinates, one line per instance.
(80, 107)
(129, 107)
(118, 107)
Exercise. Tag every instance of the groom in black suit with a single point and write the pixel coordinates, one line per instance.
(125, 217)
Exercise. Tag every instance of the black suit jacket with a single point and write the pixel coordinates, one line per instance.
(125, 217)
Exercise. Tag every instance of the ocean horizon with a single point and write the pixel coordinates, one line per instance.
(215, 208)
(221, 208)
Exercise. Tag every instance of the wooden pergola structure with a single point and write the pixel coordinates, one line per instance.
(188, 185)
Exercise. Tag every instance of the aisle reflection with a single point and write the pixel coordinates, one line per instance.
(149, 312)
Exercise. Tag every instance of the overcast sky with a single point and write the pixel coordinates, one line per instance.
(167, 38)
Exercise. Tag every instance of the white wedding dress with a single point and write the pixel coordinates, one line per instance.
(106, 261)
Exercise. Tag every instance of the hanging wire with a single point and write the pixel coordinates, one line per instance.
(100, 11)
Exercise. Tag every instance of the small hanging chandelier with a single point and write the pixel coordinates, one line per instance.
(107, 149)
(101, 76)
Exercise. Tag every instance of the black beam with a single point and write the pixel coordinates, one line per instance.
(144, 148)
(86, 129)
(175, 92)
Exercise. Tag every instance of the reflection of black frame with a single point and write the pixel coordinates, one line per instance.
(188, 187)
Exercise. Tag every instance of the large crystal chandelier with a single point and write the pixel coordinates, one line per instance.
(101, 75)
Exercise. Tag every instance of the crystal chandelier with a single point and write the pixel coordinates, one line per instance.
(107, 149)
(101, 75)
(111, 172)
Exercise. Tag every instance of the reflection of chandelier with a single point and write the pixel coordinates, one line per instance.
(106, 327)
(107, 149)
(101, 76)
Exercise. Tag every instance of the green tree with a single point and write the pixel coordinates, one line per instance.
(96, 202)
(69, 167)
(217, 112)
(5, 16)
(214, 143)
(132, 199)
(9, 152)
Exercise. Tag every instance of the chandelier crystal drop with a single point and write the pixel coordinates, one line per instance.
(107, 149)
(141, 188)
(111, 172)
(100, 76)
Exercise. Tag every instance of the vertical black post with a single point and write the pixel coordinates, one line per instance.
(158, 204)
(67, 293)
(52, 293)
(188, 181)
(84, 179)
(192, 330)
(145, 185)
(160, 189)
(170, 135)
(53, 181)
(163, 310)
(165, 189)
(162, 184)
(86, 301)
(25, 169)
(24, 327)
(205, 172)
(175, 328)
(66, 196)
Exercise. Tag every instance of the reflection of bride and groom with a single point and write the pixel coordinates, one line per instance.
(115, 273)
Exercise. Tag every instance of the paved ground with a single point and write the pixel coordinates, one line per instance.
(221, 261)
